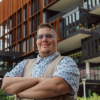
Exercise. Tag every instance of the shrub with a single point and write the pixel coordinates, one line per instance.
(93, 97)
(3, 96)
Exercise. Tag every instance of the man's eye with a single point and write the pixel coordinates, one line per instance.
(49, 36)
(40, 36)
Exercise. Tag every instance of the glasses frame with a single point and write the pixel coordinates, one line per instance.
(45, 36)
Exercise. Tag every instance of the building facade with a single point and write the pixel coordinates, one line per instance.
(78, 29)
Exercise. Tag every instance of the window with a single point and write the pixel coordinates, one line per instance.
(19, 32)
(1, 29)
(5, 27)
(96, 46)
(19, 47)
(25, 29)
(25, 12)
(32, 43)
(27, 45)
(10, 38)
(32, 7)
(32, 24)
(19, 16)
(1, 44)
(5, 41)
(10, 22)
(24, 46)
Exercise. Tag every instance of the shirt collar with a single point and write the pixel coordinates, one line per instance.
(48, 58)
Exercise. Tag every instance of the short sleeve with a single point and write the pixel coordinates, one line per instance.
(68, 70)
(17, 70)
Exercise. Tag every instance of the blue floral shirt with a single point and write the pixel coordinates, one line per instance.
(66, 69)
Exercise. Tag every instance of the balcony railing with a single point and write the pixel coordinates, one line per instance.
(80, 5)
(90, 76)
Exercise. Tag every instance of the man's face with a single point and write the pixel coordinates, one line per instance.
(46, 46)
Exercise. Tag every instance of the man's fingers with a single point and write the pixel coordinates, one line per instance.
(17, 76)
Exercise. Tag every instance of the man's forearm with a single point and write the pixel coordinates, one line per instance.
(46, 89)
(13, 85)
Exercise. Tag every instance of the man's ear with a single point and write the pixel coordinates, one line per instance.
(57, 41)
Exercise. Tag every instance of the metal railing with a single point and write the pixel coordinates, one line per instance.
(90, 76)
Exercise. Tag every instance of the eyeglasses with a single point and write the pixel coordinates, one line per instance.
(48, 36)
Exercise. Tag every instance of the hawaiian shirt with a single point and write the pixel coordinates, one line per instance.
(66, 69)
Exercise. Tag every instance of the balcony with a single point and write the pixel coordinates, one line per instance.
(90, 76)
(5, 61)
(94, 6)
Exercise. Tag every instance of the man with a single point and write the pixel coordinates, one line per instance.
(50, 76)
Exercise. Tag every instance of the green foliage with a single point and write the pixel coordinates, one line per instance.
(3, 96)
(93, 97)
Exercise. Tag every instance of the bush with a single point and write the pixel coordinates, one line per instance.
(3, 96)
(93, 97)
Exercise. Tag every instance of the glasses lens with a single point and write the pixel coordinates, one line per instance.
(49, 35)
(39, 36)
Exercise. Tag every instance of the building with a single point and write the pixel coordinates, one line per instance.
(78, 28)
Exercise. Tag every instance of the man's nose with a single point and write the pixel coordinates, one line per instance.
(44, 38)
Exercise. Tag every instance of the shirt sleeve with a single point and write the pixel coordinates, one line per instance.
(68, 70)
(17, 70)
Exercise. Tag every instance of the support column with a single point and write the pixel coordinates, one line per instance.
(87, 70)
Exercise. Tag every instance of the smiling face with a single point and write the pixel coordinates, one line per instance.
(46, 46)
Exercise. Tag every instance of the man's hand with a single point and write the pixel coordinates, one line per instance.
(50, 87)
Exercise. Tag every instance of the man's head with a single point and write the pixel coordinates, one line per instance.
(47, 41)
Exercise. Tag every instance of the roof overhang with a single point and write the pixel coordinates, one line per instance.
(10, 53)
(61, 5)
(93, 60)
(74, 42)
(95, 10)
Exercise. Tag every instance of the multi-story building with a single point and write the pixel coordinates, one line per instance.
(78, 29)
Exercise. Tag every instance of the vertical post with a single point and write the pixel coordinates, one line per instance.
(83, 81)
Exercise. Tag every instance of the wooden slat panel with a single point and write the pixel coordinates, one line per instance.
(1, 11)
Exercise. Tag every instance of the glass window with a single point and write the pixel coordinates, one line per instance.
(66, 20)
(25, 12)
(32, 24)
(77, 15)
(29, 9)
(29, 26)
(32, 7)
(96, 46)
(19, 47)
(25, 29)
(8, 39)
(5, 41)
(70, 20)
(27, 45)
(89, 3)
(1, 29)
(93, 2)
(19, 16)
(46, 2)
(5, 27)
(97, 1)
(10, 23)
(73, 17)
(32, 43)
(24, 47)
(1, 44)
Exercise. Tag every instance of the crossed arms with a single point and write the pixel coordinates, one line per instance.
(35, 87)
